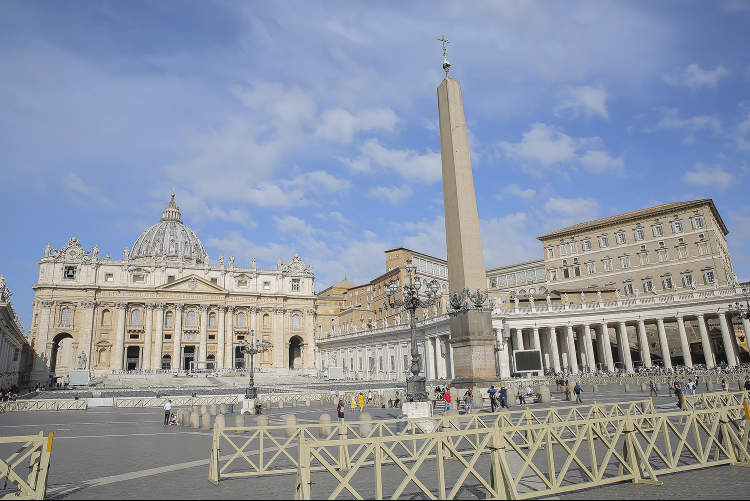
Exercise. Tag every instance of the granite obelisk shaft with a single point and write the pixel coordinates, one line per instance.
(471, 331)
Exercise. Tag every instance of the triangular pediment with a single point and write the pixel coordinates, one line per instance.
(191, 283)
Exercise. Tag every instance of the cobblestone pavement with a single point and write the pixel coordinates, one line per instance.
(107, 452)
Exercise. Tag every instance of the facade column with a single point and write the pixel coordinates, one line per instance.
(229, 362)
(572, 357)
(518, 339)
(546, 357)
(535, 343)
(625, 343)
(203, 345)
(148, 341)
(607, 348)
(430, 365)
(89, 308)
(591, 362)
(159, 341)
(278, 340)
(665, 354)
(643, 341)
(726, 336)
(552, 338)
(120, 342)
(42, 362)
(706, 342)
(687, 359)
(220, 339)
(177, 338)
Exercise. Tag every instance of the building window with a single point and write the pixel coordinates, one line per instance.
(266, 286)
(682, 252)
(687, 280)
(566, 272)
(212, 320)
(658, 230)
(267, 321)
(577, 271)
(242, 283)
(667, 283)
(590, 268)
(676, 226)
(663, 255)
(215, 281)
(16, 353)
(295, 284)
(620, 238)
(574, 247)
(190, 319)
(708, 277)
(586, 245)
(563, 250)
(625, 261)
(640, 234)
(644, 258)
(65, 316)
(170, 279)
(295, 322)
(240, 319)
(551, 253)
(521, 278)
(69, 273)
(493, 282)
(607, 262)
(552, 275)
(603, 241)
(697, 222)
(648, 286)
(135, 317)
(628, 289)
(109, 277)
(138, 279)
(702, 249)
(168, 320)
(166, 363)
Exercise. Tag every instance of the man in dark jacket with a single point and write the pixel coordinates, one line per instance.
(504, 398)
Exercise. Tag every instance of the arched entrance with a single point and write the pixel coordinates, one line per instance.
(239, 358)
(295, 352)
(62, 353)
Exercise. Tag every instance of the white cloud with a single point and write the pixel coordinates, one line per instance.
(426, 236)
(583, 100)
(336, 217)
(696, 78)
(568, 211)
(83, 194)
(409, 164)
(395, 195)
(508, 240)
(340, 125)
(671, 119)
(708, 176)
(547, 146)
(320, 180)
(516, 191)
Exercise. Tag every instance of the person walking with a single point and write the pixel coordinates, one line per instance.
(354, 403)
(447, 399)
(504, 397)
(369, 397)
(577, 389)
(493, 398)
(747, 383)
(361, 402)
(521, 396)
(652, 384)
(467, 403)
(340, 411)
(678, 392)
(670, 385)
(167, 412)
(397, 402)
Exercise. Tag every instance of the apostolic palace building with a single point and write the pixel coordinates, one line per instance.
(165, 307)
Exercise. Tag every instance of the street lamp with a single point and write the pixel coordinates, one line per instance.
(252, 348)
(416, 386)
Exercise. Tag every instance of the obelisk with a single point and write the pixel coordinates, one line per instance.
(472, 338)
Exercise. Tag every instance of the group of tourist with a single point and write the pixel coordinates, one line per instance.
(9, 394)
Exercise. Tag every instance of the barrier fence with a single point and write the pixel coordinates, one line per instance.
(44, 405)
(26, 470)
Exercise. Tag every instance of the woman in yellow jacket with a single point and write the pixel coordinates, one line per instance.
(361, 401)
(354, 403)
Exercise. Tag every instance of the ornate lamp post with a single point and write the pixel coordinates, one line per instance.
(416, 386)
(252, 348)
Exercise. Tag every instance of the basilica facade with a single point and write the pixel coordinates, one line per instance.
(165, 307)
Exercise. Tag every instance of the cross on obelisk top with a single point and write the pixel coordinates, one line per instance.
(446, 63)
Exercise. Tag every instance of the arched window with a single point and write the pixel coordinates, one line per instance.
(212, 320)
(295, 321)
(166, 362)
(240, 319)
(266, 321)
(65, 316)
(190, 318)
(135, 317)
(106, 317)
(168, 320)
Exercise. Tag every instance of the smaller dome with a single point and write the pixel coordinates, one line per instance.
(169, 237)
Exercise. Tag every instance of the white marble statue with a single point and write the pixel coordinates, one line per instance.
(221, 259)
(48, 250)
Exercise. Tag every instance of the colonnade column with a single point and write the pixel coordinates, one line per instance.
(706, 342)
(626, 347)
(518, 339)
(591, 362)
(572, 358)
(643, 342)
(726, 336)
(148, 339)
(535, 344)
(552, 339)
(159, 343)
(220, 349)
(120, 341)
(687, 359)
(431, 361)
(203, 346)
(607, 348)
(177, 338)
(229, 341)
(665, 355)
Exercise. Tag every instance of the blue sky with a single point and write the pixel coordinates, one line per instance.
(311, 127)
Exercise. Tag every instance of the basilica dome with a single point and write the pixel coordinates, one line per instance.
(170, 238)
